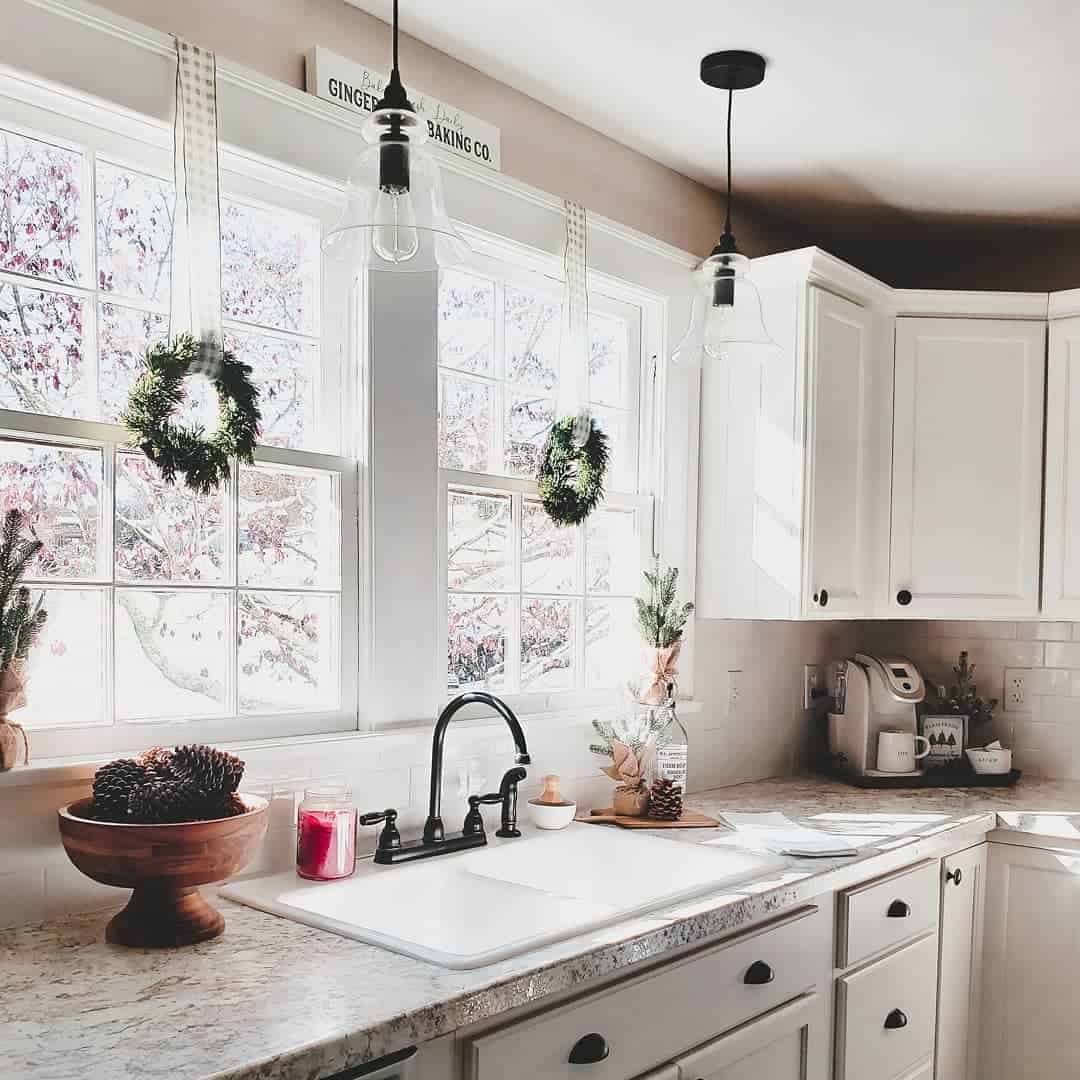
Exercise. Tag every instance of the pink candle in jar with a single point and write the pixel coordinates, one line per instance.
(326, 834)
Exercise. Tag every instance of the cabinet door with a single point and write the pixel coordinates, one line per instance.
(787, 1044)
(967, 467)
(1061, 536)
(1031, 959)
(839, 441)
(963, 888)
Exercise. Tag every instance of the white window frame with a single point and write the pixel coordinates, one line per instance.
(97, 130)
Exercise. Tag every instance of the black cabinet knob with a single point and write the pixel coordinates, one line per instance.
(589, 1050)
(895, 1019)
(898, 910)
(824, 597)
(758, 974)
(903, 597)
(955, 876)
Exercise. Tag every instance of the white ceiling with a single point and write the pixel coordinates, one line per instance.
(965, 108)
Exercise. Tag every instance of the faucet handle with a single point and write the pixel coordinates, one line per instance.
(474, 822)
(389, 837)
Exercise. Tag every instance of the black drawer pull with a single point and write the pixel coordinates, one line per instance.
(955, 876)
(589, 1050)
(824, 597)
(895, 1019)
(899, 910)
(903, 597)
(758, 974)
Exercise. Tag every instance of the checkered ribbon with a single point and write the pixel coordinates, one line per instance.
(574, 347)
(196, 258)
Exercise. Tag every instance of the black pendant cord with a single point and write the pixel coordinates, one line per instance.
(396, 36)
(730, 100)
(394, 95)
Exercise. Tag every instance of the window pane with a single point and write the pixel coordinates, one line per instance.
(479, 553)
(476, 641)
(549, 553)
(58, 488)
(270, 267)
(124, 335)
(40, 209)
(42, 352)
(288, 527)
(165, 532)
(288, 652)
(612, 648)
(286, 374)
(465, 412)
(66, 683)
(547, 644)
(532, 338)
(622, 467)
(613, 552)
(466, 322)
(171, 653)
(609, 350)
(134, 233)
(528, 422)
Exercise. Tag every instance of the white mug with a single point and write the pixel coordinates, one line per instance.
(896, 751)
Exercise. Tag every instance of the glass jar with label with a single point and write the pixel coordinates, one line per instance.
(672, 746)
(326, 833)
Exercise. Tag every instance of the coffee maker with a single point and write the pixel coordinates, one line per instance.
(874, 694)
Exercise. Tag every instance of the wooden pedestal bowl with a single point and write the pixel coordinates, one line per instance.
(164, 865)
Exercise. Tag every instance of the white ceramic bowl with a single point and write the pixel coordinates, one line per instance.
(551, 815)
(990, 762)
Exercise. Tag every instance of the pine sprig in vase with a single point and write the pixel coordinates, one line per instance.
(661, 620)
(21, 621)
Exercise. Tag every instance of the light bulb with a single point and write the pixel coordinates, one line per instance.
(395, 238)
(719, 329)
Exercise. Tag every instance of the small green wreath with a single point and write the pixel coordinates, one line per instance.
(175, 447)
(571, 477)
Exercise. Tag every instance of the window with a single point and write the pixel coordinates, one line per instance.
(532, 607)
(237, 609)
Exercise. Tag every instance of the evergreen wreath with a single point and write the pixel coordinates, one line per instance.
(571, 477)
(174, 447)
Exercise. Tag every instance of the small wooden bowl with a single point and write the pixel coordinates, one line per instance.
(164, 865)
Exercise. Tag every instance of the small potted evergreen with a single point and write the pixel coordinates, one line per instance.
(661, 620)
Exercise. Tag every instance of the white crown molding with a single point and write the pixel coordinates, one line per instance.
(977, 305)
(1065, 304)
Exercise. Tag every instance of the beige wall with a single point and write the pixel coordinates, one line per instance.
(539, 145)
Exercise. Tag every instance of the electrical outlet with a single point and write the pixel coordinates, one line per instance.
(1014, 690)
(733, 690)
(811, 685)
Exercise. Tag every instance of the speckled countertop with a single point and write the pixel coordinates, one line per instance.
(274, 1000)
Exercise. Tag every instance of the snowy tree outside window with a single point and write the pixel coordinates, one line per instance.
(532, 607)
(163, 604)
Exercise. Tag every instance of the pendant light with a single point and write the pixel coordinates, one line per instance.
(726, 321)
(395, 216)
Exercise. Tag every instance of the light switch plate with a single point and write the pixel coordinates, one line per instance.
(811, 685)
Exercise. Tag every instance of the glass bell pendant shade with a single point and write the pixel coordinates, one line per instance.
(395, 216)
(726, 321)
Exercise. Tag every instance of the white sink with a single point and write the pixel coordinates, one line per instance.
(464, 911)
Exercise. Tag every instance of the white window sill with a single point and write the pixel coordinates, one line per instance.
(54, 771)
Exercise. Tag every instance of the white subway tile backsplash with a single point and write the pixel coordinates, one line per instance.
(1062, 654)
(1044, 631)
(971, 630)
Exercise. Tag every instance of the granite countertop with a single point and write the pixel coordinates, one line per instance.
(275, 1000)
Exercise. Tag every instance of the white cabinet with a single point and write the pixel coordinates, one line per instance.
(1031, 959)
(787, 1044)
(967, 467)
(963, 889)
(792, 482)
(1061, 529)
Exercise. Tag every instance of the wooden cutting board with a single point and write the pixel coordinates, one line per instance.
(690, 819)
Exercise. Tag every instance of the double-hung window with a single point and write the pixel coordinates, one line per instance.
(530, 607)
(237, 612)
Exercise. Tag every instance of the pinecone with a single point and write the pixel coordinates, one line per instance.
(213, 771)
(161, 802)
(114, 785)
(665, 800)
(229, 806)
(158, 763)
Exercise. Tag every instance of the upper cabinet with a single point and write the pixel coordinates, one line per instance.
(967, 467)
(793, 479)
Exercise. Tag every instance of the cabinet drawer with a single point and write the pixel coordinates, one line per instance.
(876, 916)
(647, 1021)
(885, 1014)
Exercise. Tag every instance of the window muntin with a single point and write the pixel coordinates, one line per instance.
(146, 583)
(531, 607)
